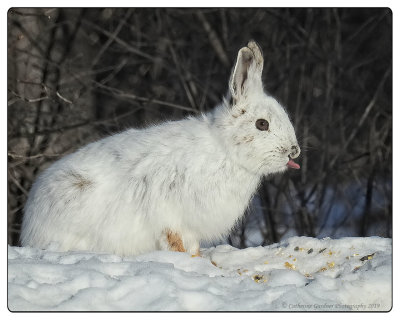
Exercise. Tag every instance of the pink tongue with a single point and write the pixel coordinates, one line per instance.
(293, 165)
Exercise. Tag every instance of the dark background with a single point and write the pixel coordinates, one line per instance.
(76, 75)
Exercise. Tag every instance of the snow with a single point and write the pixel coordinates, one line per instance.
(299, 273)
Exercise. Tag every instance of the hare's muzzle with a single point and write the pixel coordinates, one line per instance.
(294, 152)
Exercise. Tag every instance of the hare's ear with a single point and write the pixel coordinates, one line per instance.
(247, 71)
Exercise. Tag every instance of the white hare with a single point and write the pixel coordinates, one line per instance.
(167, 186)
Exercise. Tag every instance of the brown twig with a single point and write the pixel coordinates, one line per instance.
(364, 116)
(111, 38)
(214, 39)
(126, 95)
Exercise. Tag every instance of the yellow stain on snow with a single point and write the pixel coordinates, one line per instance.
(290, 266)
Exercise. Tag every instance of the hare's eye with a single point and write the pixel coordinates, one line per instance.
(262, 124)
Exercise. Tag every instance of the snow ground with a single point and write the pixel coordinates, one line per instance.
(300, 273)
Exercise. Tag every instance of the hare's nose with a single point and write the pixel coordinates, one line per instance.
(295, 152)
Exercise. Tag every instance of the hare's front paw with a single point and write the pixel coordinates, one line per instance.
(175, 241)
(192, 245)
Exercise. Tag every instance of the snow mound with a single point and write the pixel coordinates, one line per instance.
(299, 273)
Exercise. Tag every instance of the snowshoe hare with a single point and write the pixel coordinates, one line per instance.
(168, 186)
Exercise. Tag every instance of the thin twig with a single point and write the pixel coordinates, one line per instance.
(30, 100)
(183, 81)
(62, 98)
(75, 125)
(214, 39)
(40, 155)
(364, 116)
(26, 14)
(121, 42)
(24, 191)
(123, 94)
(111, 37)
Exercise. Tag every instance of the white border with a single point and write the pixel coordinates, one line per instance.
(394, 5)
(205, 3)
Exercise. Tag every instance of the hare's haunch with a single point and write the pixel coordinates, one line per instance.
(167, 186)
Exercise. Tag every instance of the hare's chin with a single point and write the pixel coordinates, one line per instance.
(278, 169)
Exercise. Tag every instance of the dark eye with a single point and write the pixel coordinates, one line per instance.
(262, 124)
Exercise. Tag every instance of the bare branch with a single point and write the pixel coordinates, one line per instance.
(123, 94)
(214, 39)
(360, 123)
(30, 100)
(112, 37)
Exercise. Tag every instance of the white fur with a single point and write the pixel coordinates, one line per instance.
(194, 177)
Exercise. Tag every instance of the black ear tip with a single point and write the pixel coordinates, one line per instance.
(253, 45)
